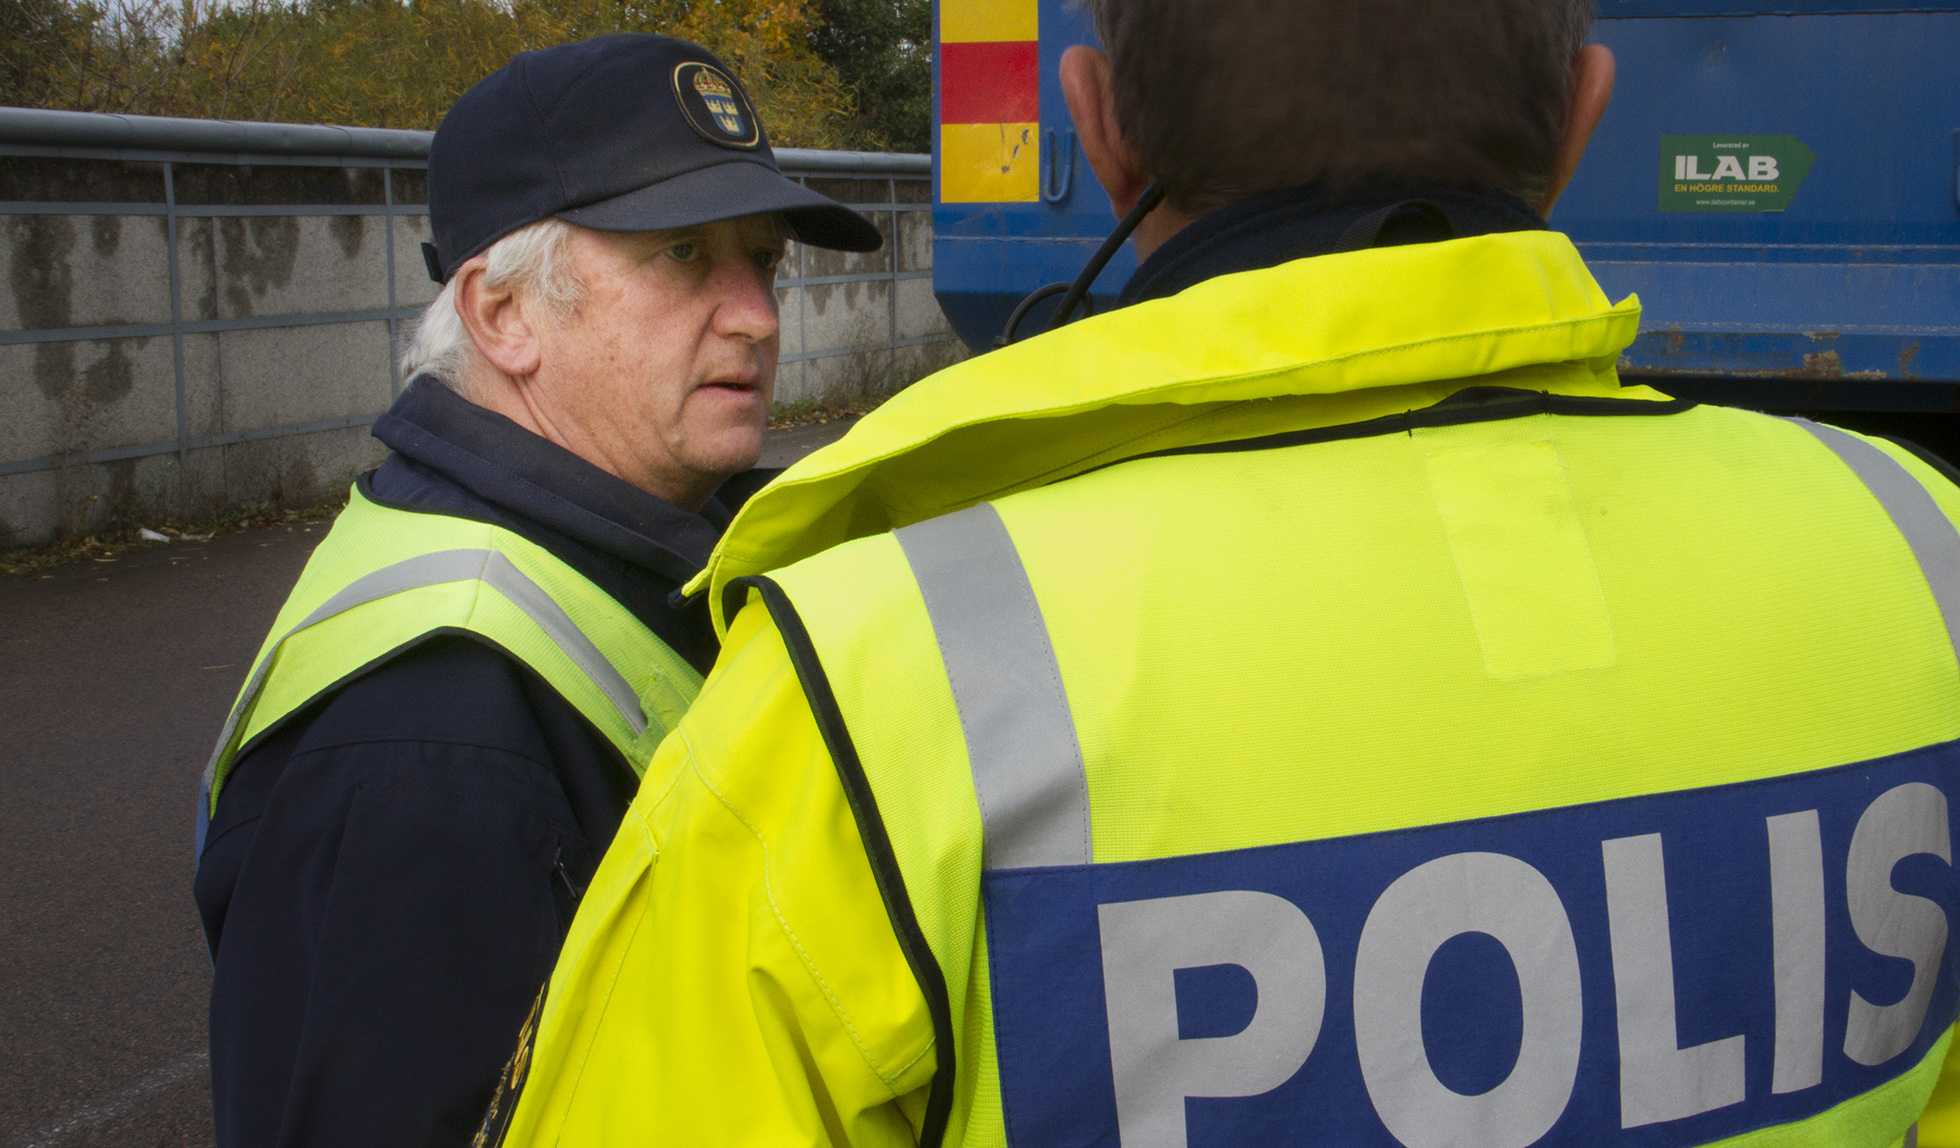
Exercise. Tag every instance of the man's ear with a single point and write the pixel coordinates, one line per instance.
(496, 322)
(1092, 104)
(1592, 90)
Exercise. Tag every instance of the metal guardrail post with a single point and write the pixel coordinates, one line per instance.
(388, 234)
(177, 337)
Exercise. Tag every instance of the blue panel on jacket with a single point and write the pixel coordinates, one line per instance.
(1751, 955)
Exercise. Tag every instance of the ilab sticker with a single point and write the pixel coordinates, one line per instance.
(1732, 173)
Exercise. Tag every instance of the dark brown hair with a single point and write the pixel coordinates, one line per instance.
(1224, 99)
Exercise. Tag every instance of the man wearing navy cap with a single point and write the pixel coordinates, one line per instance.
(445, 725)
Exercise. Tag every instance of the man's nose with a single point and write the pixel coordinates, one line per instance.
(746, 304)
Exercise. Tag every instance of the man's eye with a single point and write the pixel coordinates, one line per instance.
(768, 260)
(684, 252)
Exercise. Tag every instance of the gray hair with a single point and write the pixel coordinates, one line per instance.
(1226, 99)
(533, 260)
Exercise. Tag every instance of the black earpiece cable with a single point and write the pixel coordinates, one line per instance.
(1026, 304)
(1078, 292)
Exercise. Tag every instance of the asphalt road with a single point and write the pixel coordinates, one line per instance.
(114, 677)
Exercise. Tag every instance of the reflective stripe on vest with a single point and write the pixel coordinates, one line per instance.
(1089, 961)
(1027, 765)
(1930, 533)
(474, 577)
(486, 566)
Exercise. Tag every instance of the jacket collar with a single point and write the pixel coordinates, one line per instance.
(1315, 342)
(1298, 223)
(498, 461)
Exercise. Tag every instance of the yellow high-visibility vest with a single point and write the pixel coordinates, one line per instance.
(385, 579)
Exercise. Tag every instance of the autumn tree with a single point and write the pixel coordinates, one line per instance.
(382, 63)
(882, 49)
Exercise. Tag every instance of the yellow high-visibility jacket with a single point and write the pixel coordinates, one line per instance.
(1321, 707)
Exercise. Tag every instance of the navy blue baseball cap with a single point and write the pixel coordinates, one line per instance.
(627, 132)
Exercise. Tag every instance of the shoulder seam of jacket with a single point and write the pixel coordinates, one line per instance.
(782, 921)
(926, 971)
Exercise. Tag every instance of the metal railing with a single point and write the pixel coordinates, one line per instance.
(96, 135)
(384, 177)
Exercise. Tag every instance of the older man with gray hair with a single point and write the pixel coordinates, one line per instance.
(445, 726)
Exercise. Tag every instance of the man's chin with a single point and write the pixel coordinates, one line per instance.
(728, 453)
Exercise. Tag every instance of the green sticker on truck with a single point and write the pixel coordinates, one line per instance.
(1732, 173)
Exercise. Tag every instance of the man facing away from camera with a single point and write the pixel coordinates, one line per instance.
(1314, 703)
(449, 717)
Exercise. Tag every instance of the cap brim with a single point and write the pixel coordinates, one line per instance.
(728, 191)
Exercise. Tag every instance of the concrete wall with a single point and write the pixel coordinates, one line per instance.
(856, 325)
(179, 336)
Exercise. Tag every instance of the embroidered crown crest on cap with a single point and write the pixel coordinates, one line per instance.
(721, 114)
(720, 99)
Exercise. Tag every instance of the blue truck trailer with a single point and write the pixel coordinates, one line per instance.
(1778, 180)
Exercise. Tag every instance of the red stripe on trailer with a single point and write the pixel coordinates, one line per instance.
(992, 82)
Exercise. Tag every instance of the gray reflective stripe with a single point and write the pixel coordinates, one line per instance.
(487, 566)
(503, 576)
(1020, 737)
(1927, 529)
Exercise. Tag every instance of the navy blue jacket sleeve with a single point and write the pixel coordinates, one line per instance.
(385, 889)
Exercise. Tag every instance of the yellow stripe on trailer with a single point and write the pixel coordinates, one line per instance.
(989, 163)
(965, 21)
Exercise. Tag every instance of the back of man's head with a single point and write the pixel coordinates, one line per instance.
(1225, 99)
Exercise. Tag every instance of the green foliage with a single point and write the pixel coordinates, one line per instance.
(883, 50)
(34, 34)
(381, 63)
